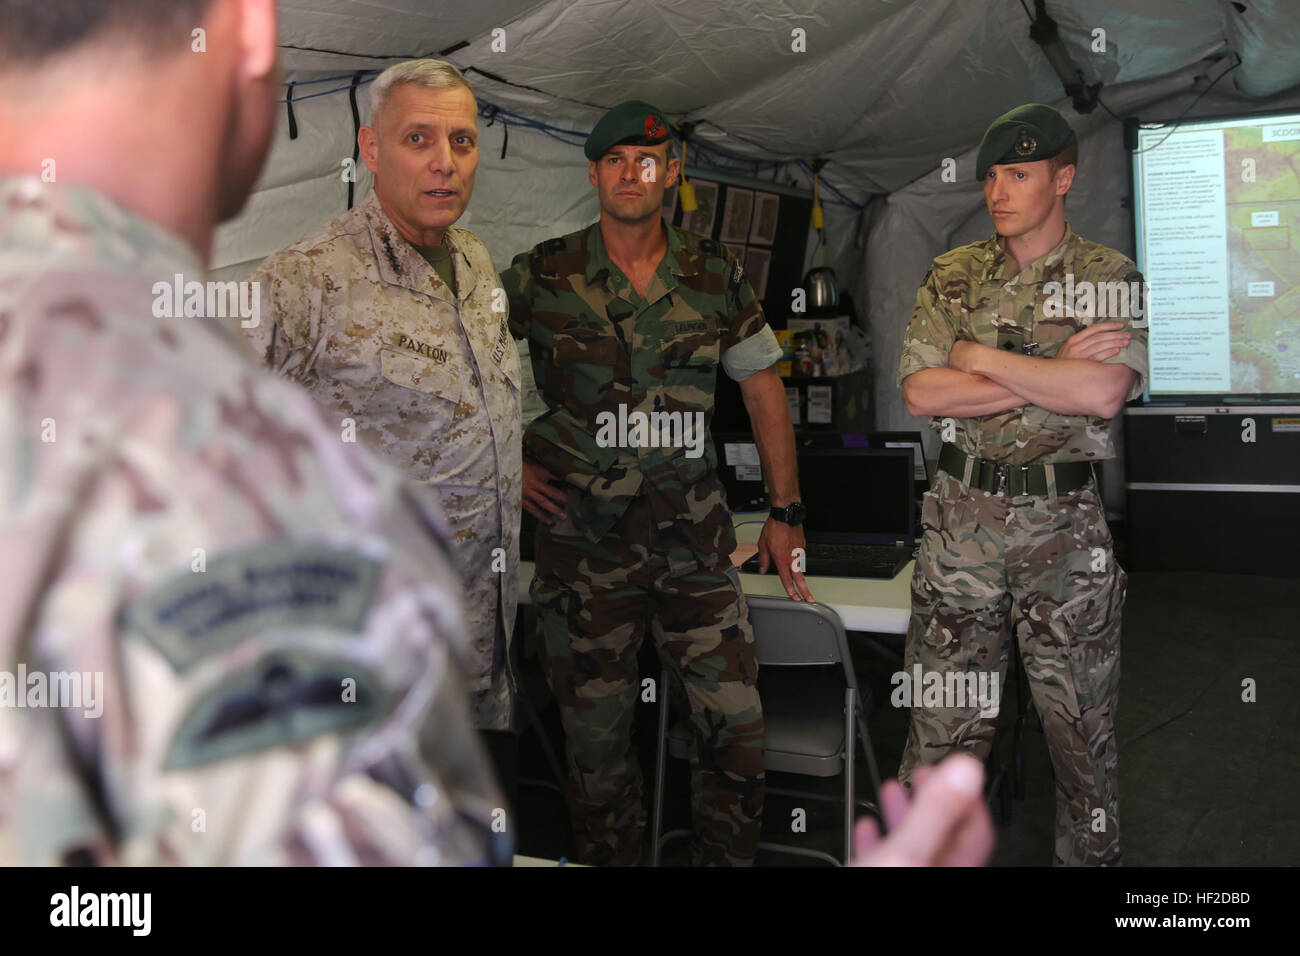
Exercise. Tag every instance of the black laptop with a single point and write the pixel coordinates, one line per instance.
(861, 522)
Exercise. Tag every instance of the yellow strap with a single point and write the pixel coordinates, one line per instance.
(818, 217)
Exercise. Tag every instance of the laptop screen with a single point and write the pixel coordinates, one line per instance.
(857, 495)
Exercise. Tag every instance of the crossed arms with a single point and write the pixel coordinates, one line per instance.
(981, 380)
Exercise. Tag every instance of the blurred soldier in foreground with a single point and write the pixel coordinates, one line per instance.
(228, 636)
(390, 316)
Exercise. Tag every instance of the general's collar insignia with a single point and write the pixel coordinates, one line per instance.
(392, 256)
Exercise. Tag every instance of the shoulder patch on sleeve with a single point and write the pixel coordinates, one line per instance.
(275, 585)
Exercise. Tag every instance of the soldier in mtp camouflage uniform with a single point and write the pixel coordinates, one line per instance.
(1022, 382)
(629, 318)
(265, 615)
(392, 318)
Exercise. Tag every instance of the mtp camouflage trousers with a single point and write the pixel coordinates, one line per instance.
(1051, 560)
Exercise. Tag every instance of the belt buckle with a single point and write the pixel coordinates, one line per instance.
(1004, 473)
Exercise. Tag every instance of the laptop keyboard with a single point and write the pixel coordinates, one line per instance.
(847, 561)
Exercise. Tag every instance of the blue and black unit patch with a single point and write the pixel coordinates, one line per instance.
(272, 587)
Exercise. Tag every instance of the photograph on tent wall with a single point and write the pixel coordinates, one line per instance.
(706, 202)
(740, 207)
(766, 208)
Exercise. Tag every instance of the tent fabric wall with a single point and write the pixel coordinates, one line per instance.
(1266, 33)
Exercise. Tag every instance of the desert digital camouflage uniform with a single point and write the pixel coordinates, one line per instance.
(1048, 556)
(271, 609)
(648, 537)
(430, 379)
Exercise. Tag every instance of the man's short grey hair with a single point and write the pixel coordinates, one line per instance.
(431, 74)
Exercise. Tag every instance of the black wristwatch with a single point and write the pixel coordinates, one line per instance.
(792, 515)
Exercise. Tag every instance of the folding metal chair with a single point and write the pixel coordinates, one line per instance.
(811, 711)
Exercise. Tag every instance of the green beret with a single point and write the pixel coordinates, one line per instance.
(1026, 134)
(634, 123)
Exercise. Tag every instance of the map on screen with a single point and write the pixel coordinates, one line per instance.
(1217, 220)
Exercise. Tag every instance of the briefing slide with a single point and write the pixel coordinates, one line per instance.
(1217, 221)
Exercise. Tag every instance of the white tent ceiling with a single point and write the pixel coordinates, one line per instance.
(885, 90)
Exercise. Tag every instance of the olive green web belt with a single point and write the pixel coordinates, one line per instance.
(1001, 478)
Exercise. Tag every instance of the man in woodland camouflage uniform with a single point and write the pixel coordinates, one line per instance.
(263, 629)
(1005, 354)
(392, 318)
(630, 318)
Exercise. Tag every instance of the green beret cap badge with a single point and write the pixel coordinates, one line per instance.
(635, 123)
(1026, 134)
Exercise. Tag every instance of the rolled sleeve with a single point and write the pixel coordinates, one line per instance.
(756, 353)
(930, 334)
(1133, 355)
